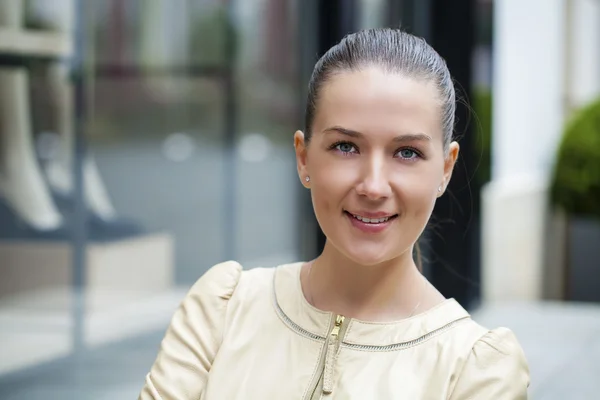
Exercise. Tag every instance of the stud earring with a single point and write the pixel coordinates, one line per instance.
(440, 189)
(307, 179)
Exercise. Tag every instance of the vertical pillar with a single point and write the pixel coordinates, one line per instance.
(583, 71)
(528, 109)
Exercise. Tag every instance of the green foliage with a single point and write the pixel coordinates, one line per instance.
(209, 38)
(575, 185)
(482, 129)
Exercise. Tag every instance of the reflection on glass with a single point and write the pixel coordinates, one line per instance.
(35, 251)
(266, 90)
(162, 173)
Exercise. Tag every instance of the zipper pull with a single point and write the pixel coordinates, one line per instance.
(331, 355)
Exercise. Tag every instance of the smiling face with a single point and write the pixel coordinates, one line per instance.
(375, 160)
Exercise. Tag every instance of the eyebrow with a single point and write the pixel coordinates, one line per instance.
(408, 137)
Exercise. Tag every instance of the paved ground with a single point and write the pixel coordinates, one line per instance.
(562, 343)
(110, 373)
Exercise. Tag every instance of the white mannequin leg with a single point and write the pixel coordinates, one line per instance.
(57, 15)
(59, 170)
(95, 191)
(60, 96)
(21, 182)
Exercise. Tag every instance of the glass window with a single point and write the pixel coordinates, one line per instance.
(189, 111)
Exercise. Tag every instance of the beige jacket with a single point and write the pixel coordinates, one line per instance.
(252, 335)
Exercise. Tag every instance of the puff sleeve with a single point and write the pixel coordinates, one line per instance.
(495, 369)
(193, 338)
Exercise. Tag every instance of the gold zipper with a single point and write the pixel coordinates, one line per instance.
(333, 344)
(331, 354)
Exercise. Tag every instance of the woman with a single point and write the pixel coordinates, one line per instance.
(360, 321)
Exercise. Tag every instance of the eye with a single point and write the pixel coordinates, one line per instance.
(408, 154)
(344, 147)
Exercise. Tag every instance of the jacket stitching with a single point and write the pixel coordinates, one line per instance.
(287, 321)
(295, 328)
(405, 345)
(304, 334)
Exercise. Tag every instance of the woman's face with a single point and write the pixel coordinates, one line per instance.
(375, 162)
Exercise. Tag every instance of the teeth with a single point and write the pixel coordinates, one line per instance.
(370, 220)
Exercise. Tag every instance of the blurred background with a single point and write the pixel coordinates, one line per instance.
(143, 141)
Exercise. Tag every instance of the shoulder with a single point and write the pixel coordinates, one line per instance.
(487, 347)
(498, 349)
(497, 344)
(494, 366)
(220, 280)
(229, 278)
(473, 339)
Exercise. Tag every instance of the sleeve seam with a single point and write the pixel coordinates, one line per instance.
(462, 369)
(226, 313)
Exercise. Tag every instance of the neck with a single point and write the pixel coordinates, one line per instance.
(386, 291)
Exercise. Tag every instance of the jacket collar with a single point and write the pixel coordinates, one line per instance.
(302, 317)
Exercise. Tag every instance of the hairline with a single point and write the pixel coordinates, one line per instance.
(361, 66)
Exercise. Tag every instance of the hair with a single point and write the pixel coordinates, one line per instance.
(395, 52)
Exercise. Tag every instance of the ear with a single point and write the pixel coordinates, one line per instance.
(300, 146)
(449, 163)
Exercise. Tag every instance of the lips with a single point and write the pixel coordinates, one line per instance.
(372, 218)
(372, 224)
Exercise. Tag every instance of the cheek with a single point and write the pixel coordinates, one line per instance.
(331, 180)
(331, 186)
(325, 206)
(418, 190)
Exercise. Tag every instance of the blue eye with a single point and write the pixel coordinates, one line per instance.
(345, 147)
(408, 154)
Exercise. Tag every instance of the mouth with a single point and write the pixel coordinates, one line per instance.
(370, 220)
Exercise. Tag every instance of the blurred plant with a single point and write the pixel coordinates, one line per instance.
(575, 185)
(209, 37)
(482, 106)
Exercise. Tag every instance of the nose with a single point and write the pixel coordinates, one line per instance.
(374, 182)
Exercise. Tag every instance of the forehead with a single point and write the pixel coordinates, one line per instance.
(372, 100)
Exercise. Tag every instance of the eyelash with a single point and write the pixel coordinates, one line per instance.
(346, 154)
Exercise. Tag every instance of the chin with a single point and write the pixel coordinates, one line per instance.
(369, 254)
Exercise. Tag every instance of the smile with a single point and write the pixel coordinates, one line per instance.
(370, 220)
(367, 220)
